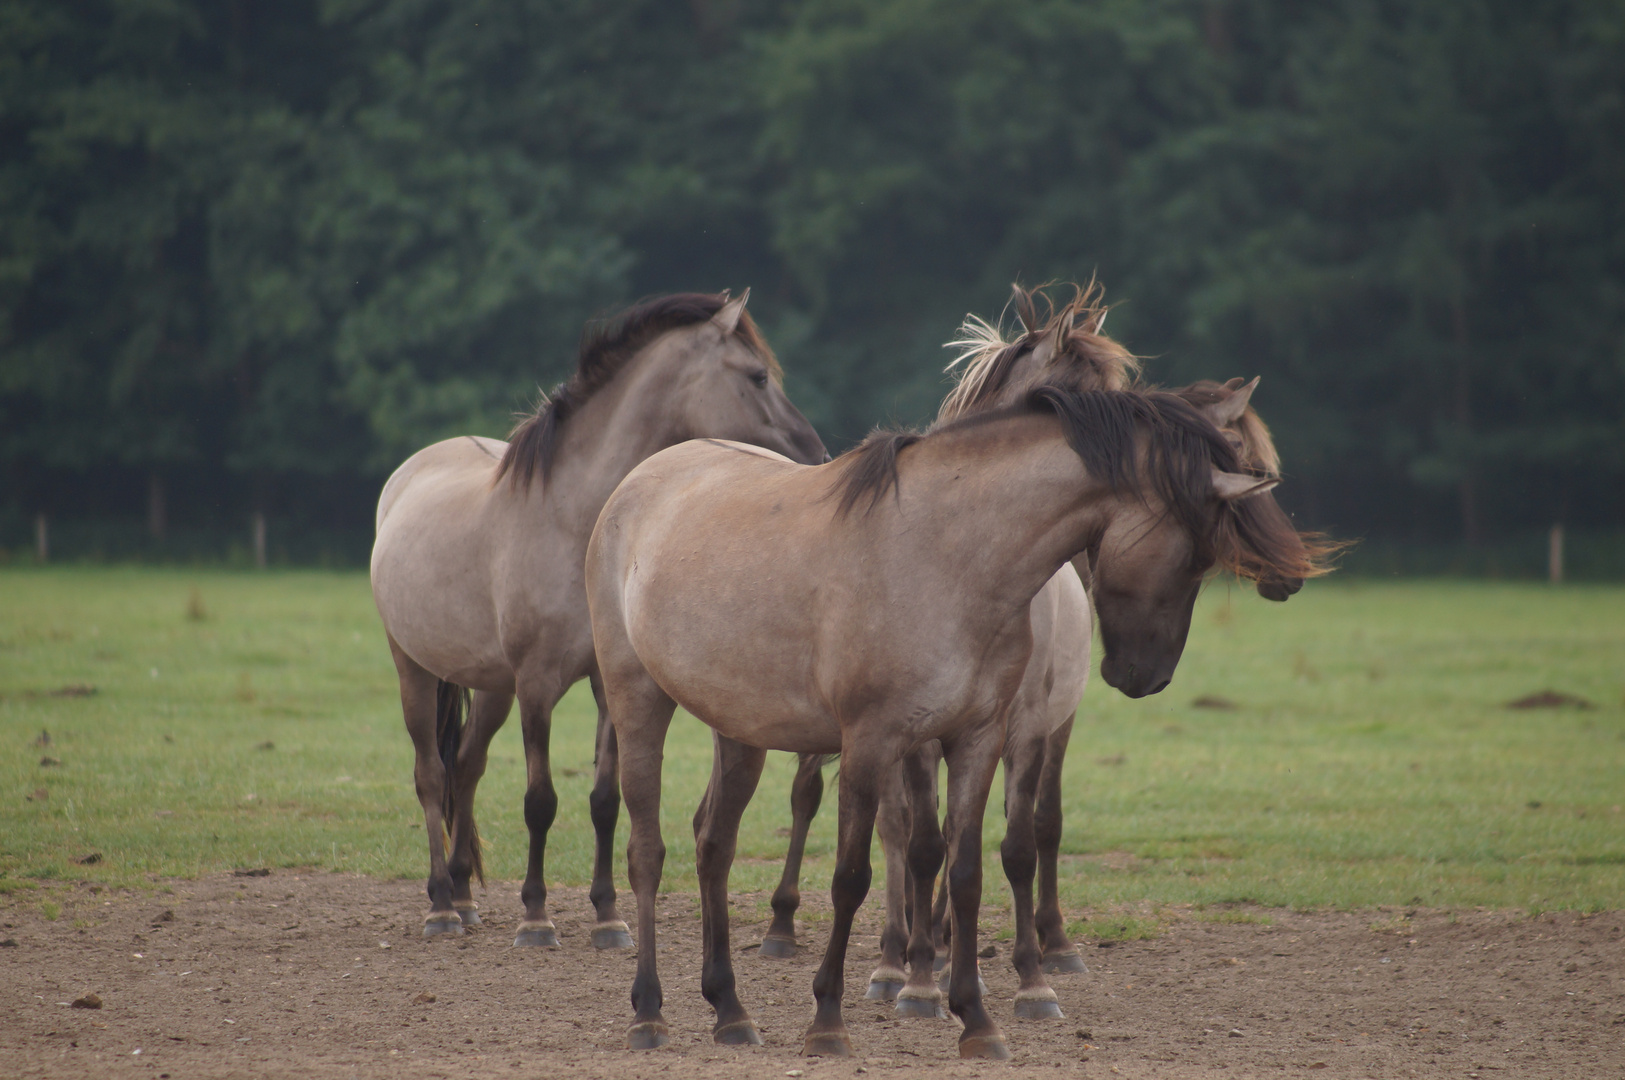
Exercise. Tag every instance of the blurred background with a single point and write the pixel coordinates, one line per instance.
(255, 252)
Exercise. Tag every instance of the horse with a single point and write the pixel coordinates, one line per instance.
(477, 572)
(870, 605)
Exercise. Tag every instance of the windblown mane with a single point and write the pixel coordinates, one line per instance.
(985, 359)
(607, 346)
(1257, 449)
(1254, 538)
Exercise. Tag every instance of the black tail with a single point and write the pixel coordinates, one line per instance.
(451, 703)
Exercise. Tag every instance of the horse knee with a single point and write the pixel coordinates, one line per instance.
(605, 806)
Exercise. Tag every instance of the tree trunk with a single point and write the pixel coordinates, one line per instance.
(42, 538)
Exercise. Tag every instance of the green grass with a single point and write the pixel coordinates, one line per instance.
(1369, 761)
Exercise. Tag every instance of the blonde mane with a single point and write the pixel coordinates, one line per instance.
(984, 359)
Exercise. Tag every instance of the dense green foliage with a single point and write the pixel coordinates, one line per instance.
(253, 720)
(252, 252)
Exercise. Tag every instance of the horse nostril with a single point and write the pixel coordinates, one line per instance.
(1160, 687)
(827, 458)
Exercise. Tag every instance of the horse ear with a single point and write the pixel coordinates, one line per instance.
(1098, 323)
(1054, 343)
(1227, 411)
(1229, 486)
(727, 319)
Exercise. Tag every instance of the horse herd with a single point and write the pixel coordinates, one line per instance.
(669, 526)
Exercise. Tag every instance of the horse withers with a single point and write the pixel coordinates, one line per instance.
(477, 571)
(871, 605)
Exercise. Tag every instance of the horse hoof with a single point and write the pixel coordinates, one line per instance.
(828, 1044)
(536, 935)
(648, 1035)
(1065, 963)
(442, 922)
(738, 1033)
(885, 989)
(611, 935)
(1038, 1005)
(984, 1048)
(915, 1003)
(468, 914)
(778, 948)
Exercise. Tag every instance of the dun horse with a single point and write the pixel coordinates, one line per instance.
(875, 604)
(477, 571)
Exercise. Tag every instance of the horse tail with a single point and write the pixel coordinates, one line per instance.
(451, 707)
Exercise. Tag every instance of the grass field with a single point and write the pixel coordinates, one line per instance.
(243, 720)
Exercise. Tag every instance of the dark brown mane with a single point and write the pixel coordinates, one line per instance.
(1254, 538)
(607, 345)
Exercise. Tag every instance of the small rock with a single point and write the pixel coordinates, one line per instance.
(39, 794)
(90, 858)
(989, 953)
(163, 916)
(259, 871)
(49, 762)
(1234, 1033)
(9, 943)
(424, 998)
(1550, 699)
(89, 1001)
(1213, 701)
(266, 745)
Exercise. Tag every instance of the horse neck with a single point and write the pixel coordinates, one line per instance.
(606, 437)
(1009, 502)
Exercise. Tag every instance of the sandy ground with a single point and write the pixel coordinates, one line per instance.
(325, 975)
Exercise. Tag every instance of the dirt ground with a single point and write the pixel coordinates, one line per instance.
(317, 975)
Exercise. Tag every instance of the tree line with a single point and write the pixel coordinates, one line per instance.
(255, 252)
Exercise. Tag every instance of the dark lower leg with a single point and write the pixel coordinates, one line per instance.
(541, 807)
(605, 805)
(645, 859)
(1059, 954)
(418, 709)
(860, 779)
(806, 792)
(1034, 998)
(891, 821)
(925, 850)
(486, 717)
(735, 771)
(970, 774)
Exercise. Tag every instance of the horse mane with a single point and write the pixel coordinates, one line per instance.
(607, 346)
(1257, 448)
(985, 359)
(1254, 538)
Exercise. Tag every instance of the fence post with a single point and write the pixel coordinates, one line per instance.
(259, 539)
(1554, 555)
(42, 538)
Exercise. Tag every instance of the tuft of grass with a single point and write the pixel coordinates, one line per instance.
(1236, 916)
(50, 909)
(1325, 787)
(1115, 928)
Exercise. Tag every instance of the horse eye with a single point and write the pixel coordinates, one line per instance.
(759, 377)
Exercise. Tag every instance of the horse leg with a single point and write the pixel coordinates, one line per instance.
(1023, 763)
(418, 706)
(536, 701)
(605, 804)
(892, 823)
(861, 776)
(806, 792)
(1060, 955)
(487, 715)
(735, 771)
(972, 760)
(921, 997)
(642, 712)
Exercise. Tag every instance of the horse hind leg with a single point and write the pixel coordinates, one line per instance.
(972, 761)
(420, 700)
(891, 821)
(1024, 761)
(1060, 955)
(469, 753)
(611, 931)
(735, 771)
(921, 997)
(806, 793)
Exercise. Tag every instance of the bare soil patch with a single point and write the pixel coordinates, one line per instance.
(316, 974)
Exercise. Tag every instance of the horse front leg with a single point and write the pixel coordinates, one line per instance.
(605, 804)
(536, 701)
(419, 708)
(972, 760)
(862, 772)
(486, 717)
(1060, 955)
(735, 771)
(921, 997)
(1023, 764)
(892, 822)
(806, 792)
